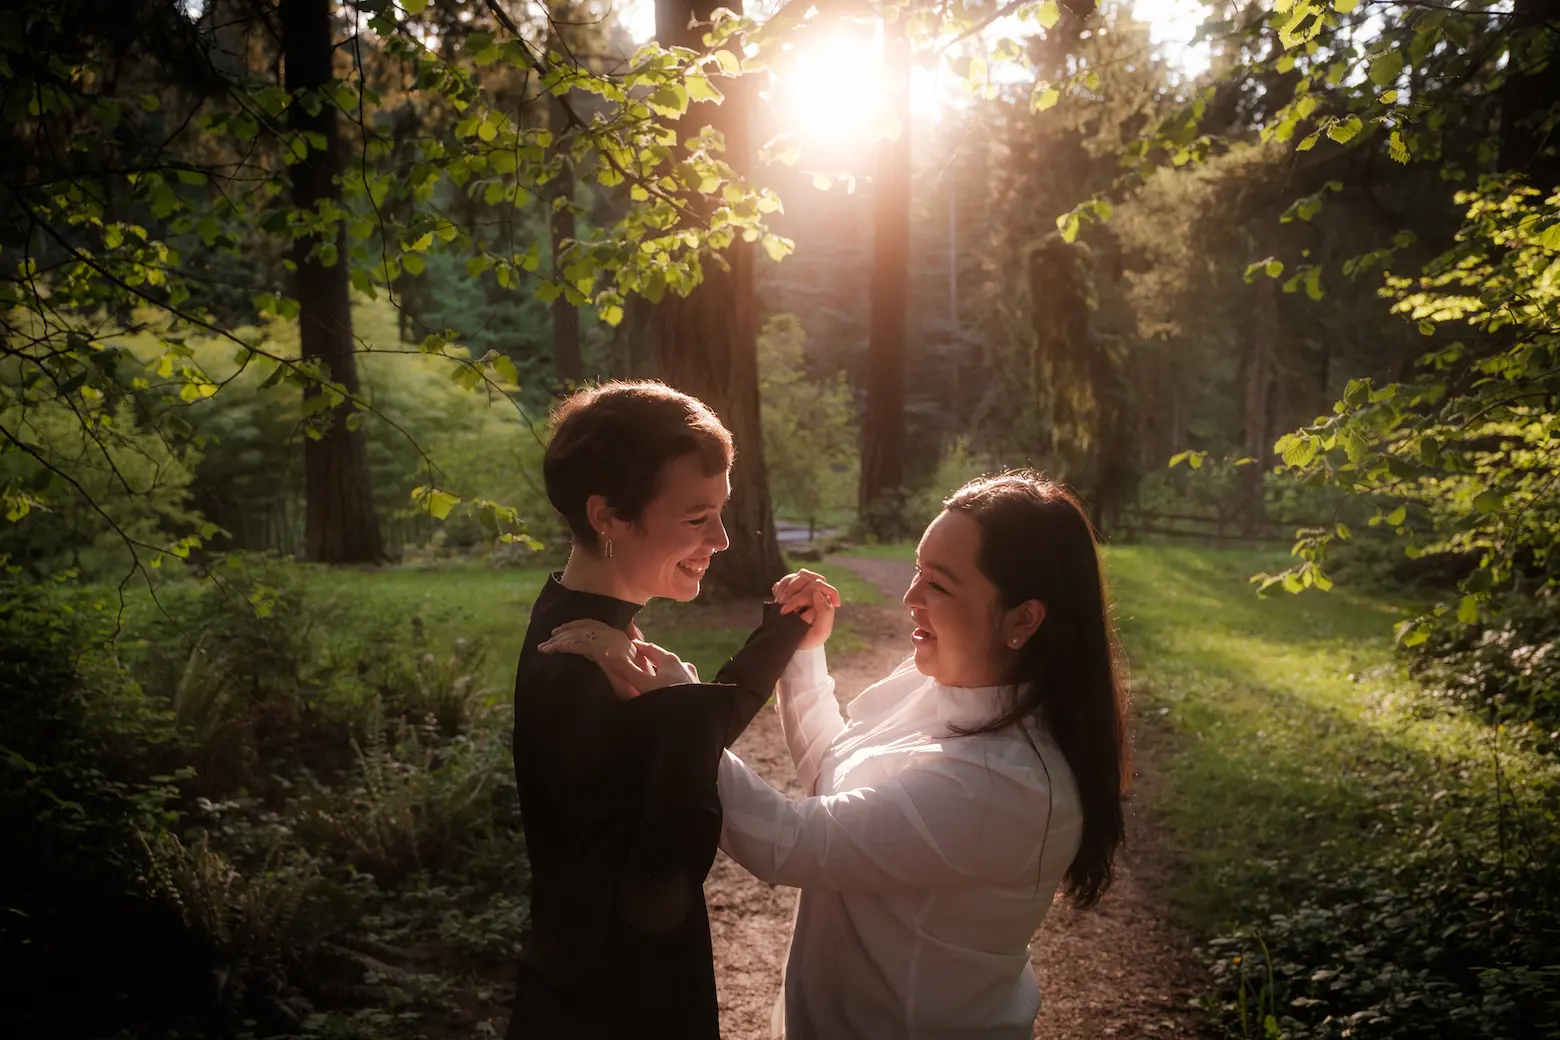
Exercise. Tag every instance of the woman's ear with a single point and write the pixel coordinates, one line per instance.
(599, 513)
(1020, 624)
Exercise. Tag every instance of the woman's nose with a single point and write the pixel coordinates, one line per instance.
(913, 596)
(721, 541)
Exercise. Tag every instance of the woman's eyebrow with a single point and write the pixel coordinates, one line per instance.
(939, 568)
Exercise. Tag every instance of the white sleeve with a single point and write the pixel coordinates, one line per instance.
(809, 715)
(941, 822)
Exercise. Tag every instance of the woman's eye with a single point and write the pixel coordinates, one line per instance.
(699, 522)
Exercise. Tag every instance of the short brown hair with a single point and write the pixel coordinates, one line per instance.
(616, 439)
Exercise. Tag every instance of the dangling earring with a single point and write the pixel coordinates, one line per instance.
(607, 551)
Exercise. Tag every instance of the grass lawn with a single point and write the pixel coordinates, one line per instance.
(474, 602)
(1290, 736)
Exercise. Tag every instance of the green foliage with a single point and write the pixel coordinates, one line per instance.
(89, 768)
(149, 136)
(246, 778)
(810, 435)
(475, 443)
(90, 496)
(1465, 453)
(1378, 862)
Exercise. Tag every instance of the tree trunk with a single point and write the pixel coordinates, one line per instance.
(1258, 425)
(881, 496)
(340, 523)
(709, 339)
(1526, 146)
(565, 315)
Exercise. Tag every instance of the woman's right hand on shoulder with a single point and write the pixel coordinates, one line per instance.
(633, 666)
(809, 594)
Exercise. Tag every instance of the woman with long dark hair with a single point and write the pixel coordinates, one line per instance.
(952, 799)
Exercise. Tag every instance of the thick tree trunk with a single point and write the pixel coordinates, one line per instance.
(880, 495)
(1258, 411)
(340, 525)
(565, 315)
(1529, 96)
(709, 340)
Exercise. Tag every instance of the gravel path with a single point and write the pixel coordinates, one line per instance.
(1120, 970)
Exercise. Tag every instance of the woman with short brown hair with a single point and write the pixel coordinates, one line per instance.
(618, 795)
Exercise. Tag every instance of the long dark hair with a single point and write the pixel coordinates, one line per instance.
(1037, 543)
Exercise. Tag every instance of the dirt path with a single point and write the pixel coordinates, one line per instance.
(1120, 970)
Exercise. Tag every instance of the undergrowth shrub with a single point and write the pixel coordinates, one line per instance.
(1505, 665)
(89, 767)
(229, 798)
(1452, 932)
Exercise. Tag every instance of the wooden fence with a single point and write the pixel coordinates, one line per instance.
(1218, 529)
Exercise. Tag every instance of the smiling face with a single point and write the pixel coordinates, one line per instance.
(963, 636)
(667, 552)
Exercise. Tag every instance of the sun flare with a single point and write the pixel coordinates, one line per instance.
(833, 91)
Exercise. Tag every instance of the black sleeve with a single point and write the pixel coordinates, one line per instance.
(672, 844)
(755, 668)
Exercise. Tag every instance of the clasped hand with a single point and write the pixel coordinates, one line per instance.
(634, 665)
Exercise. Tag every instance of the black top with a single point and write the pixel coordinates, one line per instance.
(622, 818)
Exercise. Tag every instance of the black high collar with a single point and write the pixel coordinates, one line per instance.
(619, 613)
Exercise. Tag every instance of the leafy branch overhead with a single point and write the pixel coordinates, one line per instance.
(114, 184)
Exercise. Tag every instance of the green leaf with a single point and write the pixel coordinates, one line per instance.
(1346, 131)
(729, 62)
(151, 102)
(670, 99)
(415, 6)
(1271, 267)
(1313, 283)
(1386, 68)
(1397, 516)
(777, 247)
(1298, 450)
(1345, 6)
(438, 503)
(1489, 501)
(1468, 610)
(1044, 98)
(1048, 14)
(701, 89)
(1068, 224)
(1355, 444)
